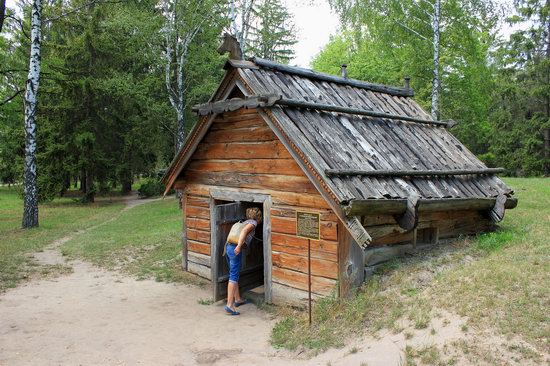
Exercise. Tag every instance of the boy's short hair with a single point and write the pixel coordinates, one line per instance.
(254, 213)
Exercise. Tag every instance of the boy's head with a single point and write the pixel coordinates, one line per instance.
(254, 213)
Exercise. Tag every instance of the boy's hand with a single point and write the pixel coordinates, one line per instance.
(237, 249)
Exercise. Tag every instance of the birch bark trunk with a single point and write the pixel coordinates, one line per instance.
(30, 209)
(436, 84)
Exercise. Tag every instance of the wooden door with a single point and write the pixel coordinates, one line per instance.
(224, 216)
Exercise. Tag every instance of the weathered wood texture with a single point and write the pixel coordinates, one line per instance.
(197, 233)
(351, 142)
(240, 153)
(385, 230)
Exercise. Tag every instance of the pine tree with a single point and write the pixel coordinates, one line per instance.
(521, 110)
(272, 33)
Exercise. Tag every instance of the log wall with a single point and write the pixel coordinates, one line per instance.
(384, 230)
(241, 152)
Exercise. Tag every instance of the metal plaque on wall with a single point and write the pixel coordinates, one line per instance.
(308, 225)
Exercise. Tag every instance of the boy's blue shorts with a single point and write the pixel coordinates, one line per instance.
(234, 262)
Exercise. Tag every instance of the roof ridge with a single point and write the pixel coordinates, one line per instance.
(308, 73)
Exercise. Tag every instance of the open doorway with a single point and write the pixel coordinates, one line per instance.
(226, 208)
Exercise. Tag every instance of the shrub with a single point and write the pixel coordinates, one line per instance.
(152, 187)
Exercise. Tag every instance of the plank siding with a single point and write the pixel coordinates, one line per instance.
(241, 153)
(197, 233)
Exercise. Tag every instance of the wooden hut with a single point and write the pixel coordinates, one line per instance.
(380, 172)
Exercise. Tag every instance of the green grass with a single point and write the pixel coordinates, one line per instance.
(57, 219)
(499, 281)
(144, 241)
(508, 286)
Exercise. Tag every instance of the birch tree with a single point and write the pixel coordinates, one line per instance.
(184, 21)
(30, 208)
(241, 21)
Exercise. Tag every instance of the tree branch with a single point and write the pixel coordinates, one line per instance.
(412, 30)
(78, 8)
(19, 91)
(20, 22)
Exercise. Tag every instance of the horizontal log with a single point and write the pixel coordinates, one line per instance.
(269, 100)
(319, 267)
(288, 183)
(263, 150)
(398, 206)
(411, 173)
(250, 134)
(288, 240)
(198, 247)
(252, 166)
(304, 200)
(200, 212)
(199, 270)
(198, 201)
(198, 235)
(201, 259)
(243, 122)
(393, 234)
(403, 92)
(196, 223)
(361, 112)
(300, 251)
(319, 285)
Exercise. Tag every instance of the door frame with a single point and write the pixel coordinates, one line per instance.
(230, 195)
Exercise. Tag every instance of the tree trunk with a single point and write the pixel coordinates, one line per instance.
(83, 181)
(436, 43)
(180, 138)
(30, 206)
(126, 185)
(546, 131)
(89, 195)
(2, 13)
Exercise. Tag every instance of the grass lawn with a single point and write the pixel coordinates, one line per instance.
(144, 241)
(499, 281)
(57, 219)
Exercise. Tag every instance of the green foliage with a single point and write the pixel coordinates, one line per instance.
(272, 33)
(104, 115)
(150, 188)
(12, 73)
(521, 103)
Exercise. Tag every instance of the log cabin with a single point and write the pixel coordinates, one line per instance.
(380, 174)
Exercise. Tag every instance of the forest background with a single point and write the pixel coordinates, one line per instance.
(118, 78)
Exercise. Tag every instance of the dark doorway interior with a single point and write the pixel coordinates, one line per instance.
(225, 214)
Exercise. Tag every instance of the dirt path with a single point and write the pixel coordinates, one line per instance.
(96, 317)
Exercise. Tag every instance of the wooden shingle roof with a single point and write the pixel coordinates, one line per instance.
(352, 142)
